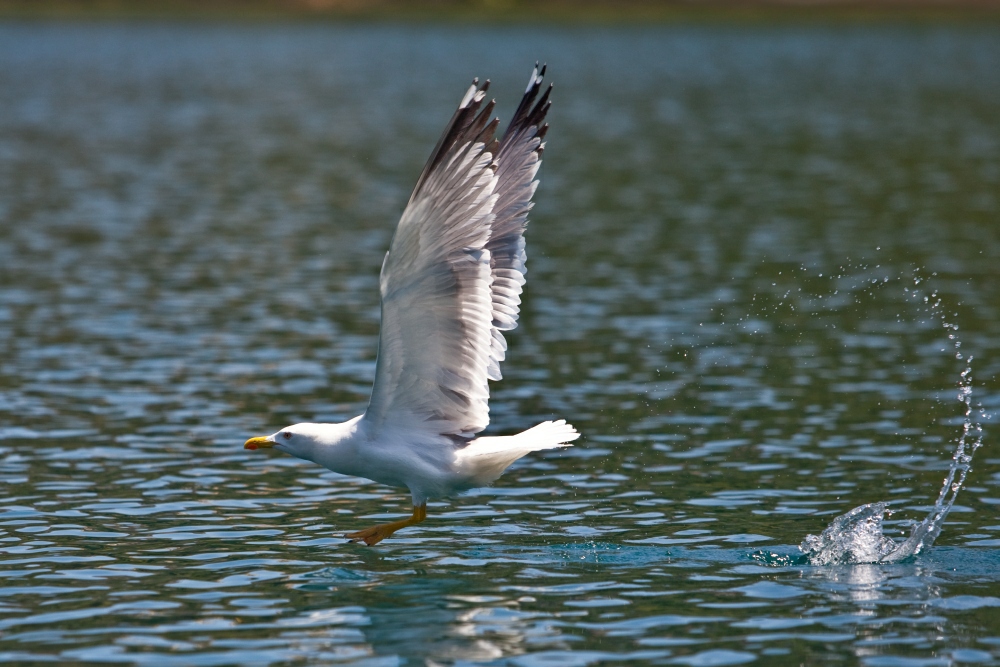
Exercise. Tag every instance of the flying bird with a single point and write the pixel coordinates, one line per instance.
(450, 286)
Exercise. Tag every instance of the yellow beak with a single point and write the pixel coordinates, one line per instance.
(254, 443)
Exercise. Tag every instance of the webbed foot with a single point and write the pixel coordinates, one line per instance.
(375, 534)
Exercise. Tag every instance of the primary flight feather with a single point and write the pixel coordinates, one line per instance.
(451, 285)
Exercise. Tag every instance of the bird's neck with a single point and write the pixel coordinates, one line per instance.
(333, 446)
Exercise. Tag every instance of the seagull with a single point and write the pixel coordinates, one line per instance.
(450, 286)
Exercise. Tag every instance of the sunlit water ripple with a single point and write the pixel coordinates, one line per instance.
(731, 226)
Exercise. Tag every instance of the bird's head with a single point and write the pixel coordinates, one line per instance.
(326, 444)
(299, 440)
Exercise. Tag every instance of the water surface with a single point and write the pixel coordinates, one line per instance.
(735, 233)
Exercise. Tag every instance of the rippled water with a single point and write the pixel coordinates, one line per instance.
(731, 227)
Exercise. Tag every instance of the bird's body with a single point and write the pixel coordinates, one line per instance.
(450, 286)
(428, 469)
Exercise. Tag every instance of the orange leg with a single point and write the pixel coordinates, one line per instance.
(376, 534)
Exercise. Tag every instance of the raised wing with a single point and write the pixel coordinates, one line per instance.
(453, 275)
(519, 157)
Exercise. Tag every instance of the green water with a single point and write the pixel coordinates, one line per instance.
(735, 231)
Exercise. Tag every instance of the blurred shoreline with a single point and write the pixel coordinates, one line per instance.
(510, 11)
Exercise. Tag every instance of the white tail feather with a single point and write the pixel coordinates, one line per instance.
(484, 459)
(549, 434)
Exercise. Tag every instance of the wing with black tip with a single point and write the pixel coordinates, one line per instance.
(452, 279)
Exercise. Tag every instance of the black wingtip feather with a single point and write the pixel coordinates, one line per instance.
(542, 108)
(527, 115)
(470, 124)
(486, 136)
(475, 128)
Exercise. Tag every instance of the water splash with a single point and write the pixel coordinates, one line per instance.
(855, 537)
(858, 537)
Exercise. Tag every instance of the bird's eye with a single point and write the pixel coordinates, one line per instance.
(287, 435)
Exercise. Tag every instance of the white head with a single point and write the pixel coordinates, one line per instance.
(329, 445)
(298, 440)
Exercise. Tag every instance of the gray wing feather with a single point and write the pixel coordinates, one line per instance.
(519, 156)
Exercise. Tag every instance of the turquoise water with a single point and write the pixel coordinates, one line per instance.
(735, 233)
